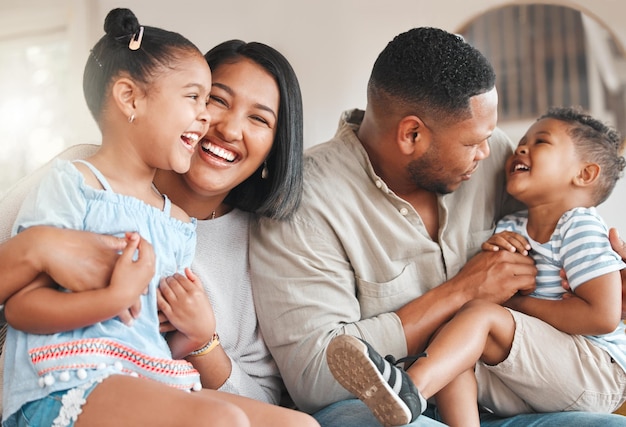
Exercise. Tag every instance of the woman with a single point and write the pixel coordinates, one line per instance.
(249, 163)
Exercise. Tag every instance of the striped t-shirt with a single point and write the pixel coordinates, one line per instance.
(579, 245)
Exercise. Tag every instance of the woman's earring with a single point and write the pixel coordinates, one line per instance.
(131, 118)
(264, 172)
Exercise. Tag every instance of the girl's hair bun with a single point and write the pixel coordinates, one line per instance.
(121, 22)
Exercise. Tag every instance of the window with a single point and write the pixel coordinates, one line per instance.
(33, 116)
(43, 49)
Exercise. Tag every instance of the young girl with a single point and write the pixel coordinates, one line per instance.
(546, 352)
(147, 89)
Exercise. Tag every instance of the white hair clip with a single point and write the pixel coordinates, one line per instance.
(135, 40)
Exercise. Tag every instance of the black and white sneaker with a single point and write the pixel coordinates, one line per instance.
(386, 389)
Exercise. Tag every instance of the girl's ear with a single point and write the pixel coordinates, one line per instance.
(125, 94)
(587, 175)
(412, 136)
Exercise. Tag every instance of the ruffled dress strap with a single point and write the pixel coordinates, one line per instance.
(103, 181)
(167, 204)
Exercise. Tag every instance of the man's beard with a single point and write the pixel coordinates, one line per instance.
(424, 173)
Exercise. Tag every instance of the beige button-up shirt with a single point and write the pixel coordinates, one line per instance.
(354, 252)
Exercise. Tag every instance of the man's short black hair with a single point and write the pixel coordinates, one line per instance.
(431, 71)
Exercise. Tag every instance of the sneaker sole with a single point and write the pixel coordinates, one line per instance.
(351, 366)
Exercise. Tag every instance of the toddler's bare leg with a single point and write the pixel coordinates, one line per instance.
(479, 331)
(457, 402)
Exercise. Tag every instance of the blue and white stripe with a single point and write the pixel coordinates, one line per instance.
(580, 245)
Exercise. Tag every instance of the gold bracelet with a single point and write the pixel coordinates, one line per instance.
(207, 348)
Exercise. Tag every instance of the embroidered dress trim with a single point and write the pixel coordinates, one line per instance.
(96, 353)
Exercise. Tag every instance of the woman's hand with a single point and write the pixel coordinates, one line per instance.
(78, 260)
(83, 261)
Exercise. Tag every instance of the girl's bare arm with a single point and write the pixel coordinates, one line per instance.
(40, 308)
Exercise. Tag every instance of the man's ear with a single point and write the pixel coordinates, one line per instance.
(125, 94)
(587, 175)
(412, 136)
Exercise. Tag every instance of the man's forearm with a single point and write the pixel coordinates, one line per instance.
(424, 315)
(492, 276)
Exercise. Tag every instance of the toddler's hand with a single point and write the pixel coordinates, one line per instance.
(508, 241)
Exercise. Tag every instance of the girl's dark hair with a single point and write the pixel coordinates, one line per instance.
(595, 142)
(430, 72)
(278, 195)
(111, 56)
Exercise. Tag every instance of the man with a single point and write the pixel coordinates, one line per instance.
(386, 243)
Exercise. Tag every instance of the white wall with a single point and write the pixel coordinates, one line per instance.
(332, 44)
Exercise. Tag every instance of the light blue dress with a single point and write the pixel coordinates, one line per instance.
(37, 365)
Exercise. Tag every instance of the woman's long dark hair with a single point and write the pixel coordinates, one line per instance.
(278, 195)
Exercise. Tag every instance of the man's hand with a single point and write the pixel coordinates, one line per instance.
(498, 275)
(490, 275)
(619, 246)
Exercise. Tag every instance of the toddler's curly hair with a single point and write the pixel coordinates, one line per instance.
(596, 142)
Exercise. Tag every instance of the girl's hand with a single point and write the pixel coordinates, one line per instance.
(133, 270)
(184, 306)
(508, 241)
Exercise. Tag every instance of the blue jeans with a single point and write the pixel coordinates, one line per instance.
(44, 411)
(354, 413)
(38, 413)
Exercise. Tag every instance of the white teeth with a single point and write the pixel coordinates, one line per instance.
(520, 166)
(193, 137)
(229, 156)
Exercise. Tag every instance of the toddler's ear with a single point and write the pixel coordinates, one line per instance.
(587, 175)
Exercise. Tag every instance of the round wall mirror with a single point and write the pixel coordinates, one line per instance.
(546, 55)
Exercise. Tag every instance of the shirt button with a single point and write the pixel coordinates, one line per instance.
(378, 184)
(404, 211)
